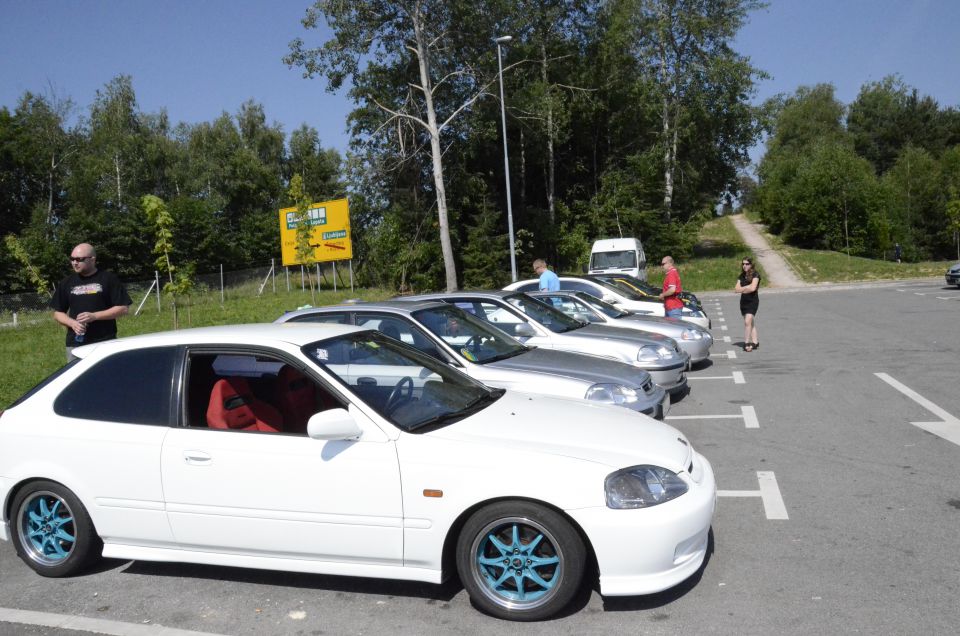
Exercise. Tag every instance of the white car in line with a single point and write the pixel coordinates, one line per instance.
(333, 449)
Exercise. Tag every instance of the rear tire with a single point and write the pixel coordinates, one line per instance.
(520, 561)
(52, 531)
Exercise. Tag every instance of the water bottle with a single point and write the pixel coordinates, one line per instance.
(78, 338)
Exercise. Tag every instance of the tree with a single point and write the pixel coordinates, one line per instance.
(410, 45)
(305, 251)
(180, 279)
(686, 44)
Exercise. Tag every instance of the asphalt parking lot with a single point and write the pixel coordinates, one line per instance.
(836, 448)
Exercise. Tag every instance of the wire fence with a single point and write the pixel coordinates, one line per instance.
(269, 277)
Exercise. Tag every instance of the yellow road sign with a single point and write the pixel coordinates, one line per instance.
(330, 232)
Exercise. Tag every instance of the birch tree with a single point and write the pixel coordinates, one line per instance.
(401, 58)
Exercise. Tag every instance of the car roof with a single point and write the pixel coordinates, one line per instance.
(482, 293)
(297, 334)
(397, 306)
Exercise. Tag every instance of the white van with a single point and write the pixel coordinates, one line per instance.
(619, 256)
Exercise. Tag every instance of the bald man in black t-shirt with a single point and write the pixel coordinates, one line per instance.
(89, 301)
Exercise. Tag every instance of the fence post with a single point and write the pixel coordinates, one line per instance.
(351, 275)
(286, 270)
(334, 263)
(221, 284)
(274, 272)
(14, 319)
(303, 284)
(156, 279)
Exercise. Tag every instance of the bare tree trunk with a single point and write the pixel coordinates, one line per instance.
(116, 165)
(551, 161)
(423, 54)
(667, 161)
(523, 170)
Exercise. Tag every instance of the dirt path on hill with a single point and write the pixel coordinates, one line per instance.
(778, 273)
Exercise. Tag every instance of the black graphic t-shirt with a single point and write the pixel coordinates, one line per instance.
(76, 294)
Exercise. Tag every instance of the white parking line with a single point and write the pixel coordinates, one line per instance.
(723, 327)
(737, 377)
(748, 413)
(948, 429)
(769, 494)
(96, 625)
(730, 355)
(721, 320)
(726, 339)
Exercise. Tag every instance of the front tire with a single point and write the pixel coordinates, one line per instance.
(53, 533)
(520, 561)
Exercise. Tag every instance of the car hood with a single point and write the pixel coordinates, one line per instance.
(610, 435)
(583, 366)
(613, 333)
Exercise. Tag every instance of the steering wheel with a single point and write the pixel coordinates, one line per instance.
(405, 385)
(473, 343)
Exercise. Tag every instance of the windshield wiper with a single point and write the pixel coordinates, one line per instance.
(506, 354)
(477, 404)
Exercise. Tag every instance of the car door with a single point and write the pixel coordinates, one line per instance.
(279, 494)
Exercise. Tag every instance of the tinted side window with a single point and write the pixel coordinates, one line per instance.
(528, 287)
(580, 286)
(340, 319)
(130, 386)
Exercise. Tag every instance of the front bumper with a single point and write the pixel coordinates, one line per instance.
(650, 550)
(953, 278)
(672, 379)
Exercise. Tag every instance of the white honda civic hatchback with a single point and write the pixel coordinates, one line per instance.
(333, 449)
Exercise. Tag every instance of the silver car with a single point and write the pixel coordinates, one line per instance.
(487, 354)
(692, 338)
(533, 322)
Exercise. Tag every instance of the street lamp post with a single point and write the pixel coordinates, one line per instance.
(506, 160)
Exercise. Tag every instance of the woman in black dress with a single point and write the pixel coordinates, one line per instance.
(747, 286)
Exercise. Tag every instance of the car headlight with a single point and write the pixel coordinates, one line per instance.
(642, 487)
(691, 334)
(653, 353)
(611, 394)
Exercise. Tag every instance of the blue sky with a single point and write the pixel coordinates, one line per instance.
(202, 57)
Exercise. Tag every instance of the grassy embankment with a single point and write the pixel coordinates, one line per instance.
(35, 349)
(824, 266)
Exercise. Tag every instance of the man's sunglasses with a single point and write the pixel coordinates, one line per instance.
(80, 259)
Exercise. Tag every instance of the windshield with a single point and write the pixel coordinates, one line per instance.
(601, 306)
(406, 387)
(636, 283)
(472, 338)
(553, 319)
(623, 288)
(626, 259)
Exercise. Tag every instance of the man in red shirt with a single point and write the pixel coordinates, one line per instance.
(672, 305)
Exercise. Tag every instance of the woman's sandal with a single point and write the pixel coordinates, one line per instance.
(748, 346)
(756, 345)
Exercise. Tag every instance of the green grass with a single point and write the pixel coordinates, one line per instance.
(716, 260)
(824, 266)
(36, 348)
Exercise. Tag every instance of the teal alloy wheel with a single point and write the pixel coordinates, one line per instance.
(53, 533)
(46, 522)
(520, 560)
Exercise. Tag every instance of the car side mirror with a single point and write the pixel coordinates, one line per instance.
(524, 330)
(582, 317)
(333, 424)
(613, 300)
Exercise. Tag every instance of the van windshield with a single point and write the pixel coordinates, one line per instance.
(606, 260)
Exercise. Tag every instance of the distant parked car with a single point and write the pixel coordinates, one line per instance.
(953, 275)
(620, 295)
(533, 322)
(335, 450)
(693, 339)
(642, 286)
(489, 355)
